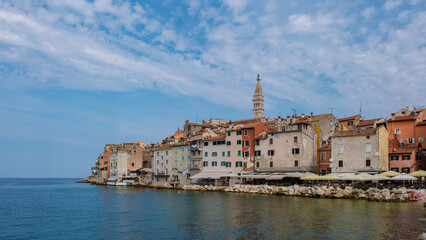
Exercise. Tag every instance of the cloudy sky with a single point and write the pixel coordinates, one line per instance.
(76, 74)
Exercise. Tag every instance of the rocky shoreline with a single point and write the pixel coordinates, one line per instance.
(371, 194)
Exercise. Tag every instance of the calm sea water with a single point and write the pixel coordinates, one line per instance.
(63, 209)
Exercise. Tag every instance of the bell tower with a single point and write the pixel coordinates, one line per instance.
(258, 100)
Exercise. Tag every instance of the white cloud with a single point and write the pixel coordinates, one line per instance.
(312, 58)
(392, 4)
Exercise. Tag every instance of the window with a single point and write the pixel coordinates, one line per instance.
(229, 153)
(405, 170)
(340, 163)
(271, 164)
(214, 142)
(295, 151)
(315, 125)
(299, 126)
(257, 164)
(350, 123)
(229, 134)
(340, 148)
(395, 169)
(133, 164)
(206, 154)
(246, 154)
(410, 140)
(239, 164)
(295, 139)
(167, 161)
(175, 150)
(368, 163)
(223, 154)
(214, 154)
(183, 158)
(405, 157)
(367, 147)
(158, 153)
(296, 163)
(394, 157)
(158, 162)
(228, 164)
(257, 142)
(223, 164)
(167, 153)
(421, 139)
(418, 157)
(245, 132)
(245, 165)
(271, 152)
(238, 142)
(205, 164)
(214, 164)
(340, 139)
(323, 156)
(228, 143)
(246, 143)
(239, 152)
(271, 141)
(257, 153)
(176, 158)
(238, 132)
(367, 137)
(206, 143)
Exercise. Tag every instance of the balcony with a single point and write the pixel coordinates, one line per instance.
(195, 148)
(195, 167)
(161, 174)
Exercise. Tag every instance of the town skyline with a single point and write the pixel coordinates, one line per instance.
(78, 74)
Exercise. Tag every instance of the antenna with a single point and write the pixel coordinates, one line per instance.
(331, 109)
(294, 111)
(360, 108)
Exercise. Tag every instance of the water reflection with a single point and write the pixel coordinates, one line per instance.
(63, 209)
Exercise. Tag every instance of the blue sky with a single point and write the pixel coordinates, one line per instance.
(77, 74)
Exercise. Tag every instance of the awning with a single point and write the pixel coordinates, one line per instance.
(276, 177)
(147, 170)
(230, 175)
(112, 179)
(208, 175)
(256, 176)
(135, 170)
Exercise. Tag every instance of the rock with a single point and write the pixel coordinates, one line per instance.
(339, 195)
(421, 236)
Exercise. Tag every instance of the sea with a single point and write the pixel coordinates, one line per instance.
(63, 209)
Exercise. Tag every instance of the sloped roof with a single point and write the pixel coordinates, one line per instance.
(367, 122)
(328, 145)
(404, 149)
(215, 138)
(347, 118)
(423, 123)
(246, 120)
(403, 118)
(258, 90)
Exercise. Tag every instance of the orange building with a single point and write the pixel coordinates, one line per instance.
(324, 161)
(406, 141)
(348, 123)
(249, 132)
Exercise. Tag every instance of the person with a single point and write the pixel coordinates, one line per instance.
(417, 195)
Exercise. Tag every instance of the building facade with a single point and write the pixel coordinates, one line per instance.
(364, 150)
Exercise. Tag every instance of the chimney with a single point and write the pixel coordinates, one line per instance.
(264, 133)
(312, 113)
(133, 141)
(204, 122)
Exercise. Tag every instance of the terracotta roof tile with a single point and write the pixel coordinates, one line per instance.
(347, 118)
(367, 122)
(328, 145)
(215, 138)
(423, 123)
(405, 149)
(403, 118)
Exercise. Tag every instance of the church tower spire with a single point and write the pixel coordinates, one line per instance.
(258, 100)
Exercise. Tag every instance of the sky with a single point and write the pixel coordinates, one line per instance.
(77, 74)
